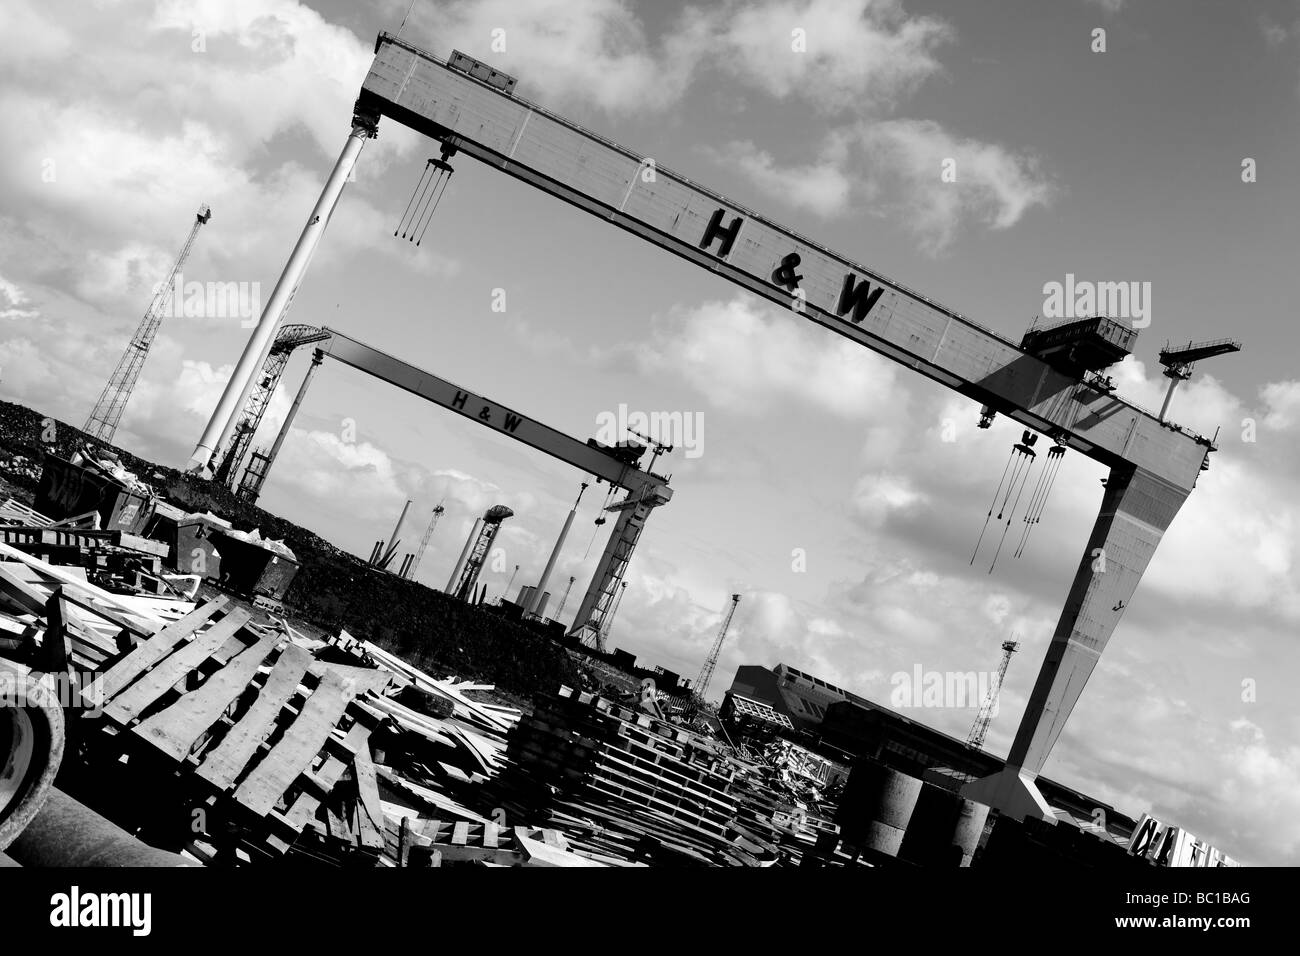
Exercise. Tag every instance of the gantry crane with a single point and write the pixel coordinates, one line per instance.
(617, 466)
(104, 417)
(288, 339)
(1153, 465)
(985, 717)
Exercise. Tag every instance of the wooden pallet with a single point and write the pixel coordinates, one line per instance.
(430, 842)
(250, 718)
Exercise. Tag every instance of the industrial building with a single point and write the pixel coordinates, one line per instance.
(846, 724)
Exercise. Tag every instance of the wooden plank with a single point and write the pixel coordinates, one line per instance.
(370, 811)
(128, 704)
(221, 767)
(152, 650)
(110, 616)
(320, 783)
(362, 679)
(404, 840)
(54, 645)
(460, 833)
(491, 835)
(69, 576)
(22, 594)
(174, 730)
(296, 749)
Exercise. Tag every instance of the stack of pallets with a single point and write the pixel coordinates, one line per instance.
(622, 784)
(258, 732)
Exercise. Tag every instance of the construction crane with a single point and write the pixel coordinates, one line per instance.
(564, 599)
(289, 337)
(1178, 362)
(104, 417)
(424, 542)
(982, 720)
(602, 636)
(706, 672)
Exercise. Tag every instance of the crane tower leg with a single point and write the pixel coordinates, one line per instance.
(259, 344)
(1135, 511)
(610, 568)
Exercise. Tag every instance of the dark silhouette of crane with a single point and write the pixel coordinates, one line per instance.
(1178, 362)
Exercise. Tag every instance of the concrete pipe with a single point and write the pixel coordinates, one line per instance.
(944, 830)
(877, 806)
(68, 833)
(31, 749)
(928, 841)
(970, 827)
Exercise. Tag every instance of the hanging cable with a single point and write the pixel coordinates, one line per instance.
(427, 197)
(1031, 510)
(1005, 469)
(1026, 447)
(440, 190)
(1055, 456)
(600, 520)
(1007, 526)
(1015, 475)
(420, 187)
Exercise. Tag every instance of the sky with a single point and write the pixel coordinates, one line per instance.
(839, 494)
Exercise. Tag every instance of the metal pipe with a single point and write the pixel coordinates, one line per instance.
(259, 343)
(317, 358)
(392, 541)
(531, 609)
(31, 749)
(1173, 384)
(68, 833)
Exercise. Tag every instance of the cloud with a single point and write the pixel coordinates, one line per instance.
(564, 52)
(12, 299)
(747, 356)
(1110, 6)
(822, 187)
(993, 185)
(855, 52)
(913, 171)
(595, 52)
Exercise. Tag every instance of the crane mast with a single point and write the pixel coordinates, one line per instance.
(104, 417)
(424, 542)
(706, 672)
(985, 716)
(602, 635)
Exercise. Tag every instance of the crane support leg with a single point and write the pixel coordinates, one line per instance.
(259, 344)
(609, 570)
(1135, 511)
